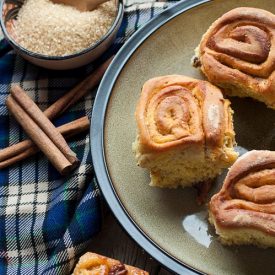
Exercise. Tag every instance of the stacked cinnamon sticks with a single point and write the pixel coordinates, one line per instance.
(43, 134)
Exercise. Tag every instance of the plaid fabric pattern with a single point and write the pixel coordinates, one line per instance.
(46, 220)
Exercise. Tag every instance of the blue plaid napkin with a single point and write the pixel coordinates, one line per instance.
(46, 220)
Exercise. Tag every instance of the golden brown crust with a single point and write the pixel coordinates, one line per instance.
(238, 53)
(95, 264)
(178, 111)
(247, 198)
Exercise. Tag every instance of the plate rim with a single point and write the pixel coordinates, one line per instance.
(97, 137)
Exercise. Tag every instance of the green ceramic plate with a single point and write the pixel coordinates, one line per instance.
(168, 223)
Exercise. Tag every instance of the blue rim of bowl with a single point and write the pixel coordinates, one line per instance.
(65, 57)
(97, 138)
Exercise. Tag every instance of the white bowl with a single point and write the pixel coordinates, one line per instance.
(9, 12)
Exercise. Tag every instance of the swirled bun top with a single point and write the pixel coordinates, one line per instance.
(238, 53)
(247, 198)
(176, 110)
(185, 131)
(95, 264)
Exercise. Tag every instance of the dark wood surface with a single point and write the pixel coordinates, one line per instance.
(114, 242)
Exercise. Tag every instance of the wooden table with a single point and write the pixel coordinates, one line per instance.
(114, 242)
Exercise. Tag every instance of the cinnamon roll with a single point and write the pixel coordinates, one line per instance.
(94, 264)
(243, 212)
(237, 53)
(185, 131)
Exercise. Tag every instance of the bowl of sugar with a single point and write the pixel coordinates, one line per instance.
(57, 36)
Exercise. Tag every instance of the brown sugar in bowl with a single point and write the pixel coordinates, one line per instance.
(9, 13)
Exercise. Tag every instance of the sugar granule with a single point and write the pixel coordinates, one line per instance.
(59, 30)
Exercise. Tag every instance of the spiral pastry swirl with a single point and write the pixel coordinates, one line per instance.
(237, 53)
(176, 110)
(243, 212)
(94, 264)
(181, 115)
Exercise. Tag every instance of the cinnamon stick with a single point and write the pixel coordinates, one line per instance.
(75, 127)
(60, 106)
(67, 130)
(49, 145)
(42, 121)
(21, 156)
(77, 92)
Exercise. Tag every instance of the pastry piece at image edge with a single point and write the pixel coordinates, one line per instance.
(94, 264)
(237, 53)
(185, 131)
(243, 212)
